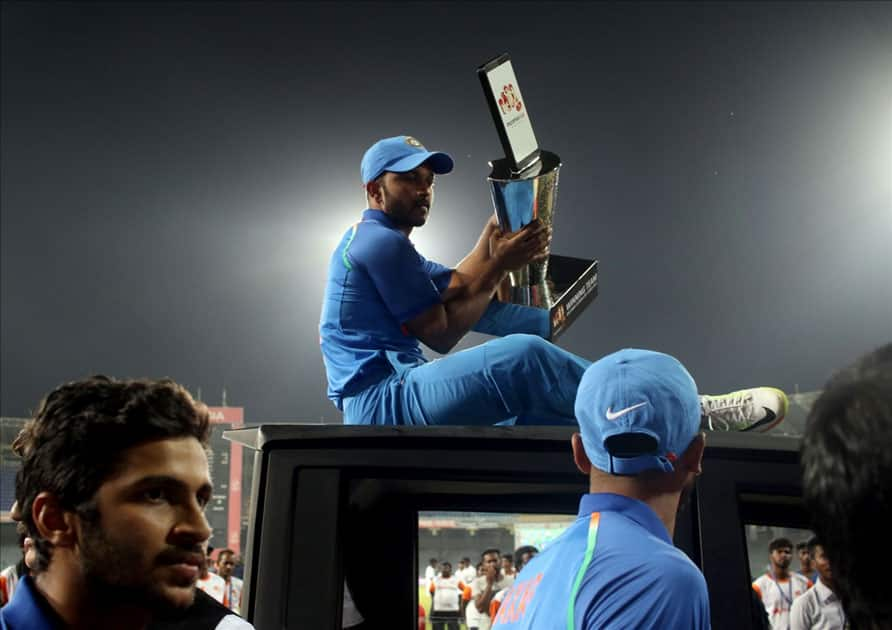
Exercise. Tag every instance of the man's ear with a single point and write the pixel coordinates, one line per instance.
(373, 192)
(579, 457)
(692, 458)
(54, 523)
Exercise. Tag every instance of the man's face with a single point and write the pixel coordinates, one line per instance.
(507, 563)
(144, 546)
(446, 569)
(805, 560)
(225, 565)
(408, 196)
(781, 557)
(490, 560)
(822, 564)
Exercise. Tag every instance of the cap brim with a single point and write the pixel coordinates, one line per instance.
(439, 162)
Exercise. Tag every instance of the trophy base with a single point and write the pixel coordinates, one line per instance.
(570, 286)
(575, 285)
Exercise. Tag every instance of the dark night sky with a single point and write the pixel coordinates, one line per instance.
(175, 176)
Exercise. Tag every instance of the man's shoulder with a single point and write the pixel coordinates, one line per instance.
(800, 579)
(804, 608)
(681, 569)
(761, 580)
(808, 600)
(371, 241)
(478, 583)
(27, 611)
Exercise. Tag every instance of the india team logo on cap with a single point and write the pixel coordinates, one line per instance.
(412, 142)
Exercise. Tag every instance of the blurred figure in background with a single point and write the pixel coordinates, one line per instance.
(508, 565)
(210, 583)
(484, 589)
(779, 587)
(232, 592)
(9, 577)
(806, 567)
(847, 484)
(468, 571)
(819, 608)
(522, 555)
(430, 571)
(446, 590)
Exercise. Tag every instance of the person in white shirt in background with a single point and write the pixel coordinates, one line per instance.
(232, 593)
(430, 572)
(484, 588)
(779, 587)
(508, 565)
(466, 572)
(210, 583)
(819, 608)
(446, 590)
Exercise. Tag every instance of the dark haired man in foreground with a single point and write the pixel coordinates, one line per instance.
(847, 484)
(112, 490)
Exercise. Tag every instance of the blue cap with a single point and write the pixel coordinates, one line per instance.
(638, 410)
(400, 154)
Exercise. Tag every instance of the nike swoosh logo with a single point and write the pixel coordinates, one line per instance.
(611, 415)
(768, 419)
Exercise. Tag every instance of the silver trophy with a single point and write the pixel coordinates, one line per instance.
(518, 201)
(524, 185)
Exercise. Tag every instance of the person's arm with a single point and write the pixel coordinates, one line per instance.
(475, 281)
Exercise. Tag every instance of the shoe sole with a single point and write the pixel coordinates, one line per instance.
(764, 428)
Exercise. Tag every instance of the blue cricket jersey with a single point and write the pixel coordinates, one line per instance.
(29, 610)
(376, 283)
(615, 567)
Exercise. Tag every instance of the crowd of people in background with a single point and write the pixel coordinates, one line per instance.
(218, 579)
(798, 600)
(472, 593)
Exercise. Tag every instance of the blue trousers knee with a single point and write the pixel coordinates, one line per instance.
(517, 379)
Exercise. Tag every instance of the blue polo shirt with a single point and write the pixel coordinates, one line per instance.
(614, 567)
(28, 610)
(376, 283)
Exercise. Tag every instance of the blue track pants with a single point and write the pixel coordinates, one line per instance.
(516, 379)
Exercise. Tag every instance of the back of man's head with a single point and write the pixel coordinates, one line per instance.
(638, 411)
(79, 432)
(847, 482)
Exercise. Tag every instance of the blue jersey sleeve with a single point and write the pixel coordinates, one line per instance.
(439, 274)
(400, 274)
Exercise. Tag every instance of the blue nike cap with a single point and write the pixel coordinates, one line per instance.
(638, 410)
(400, 154)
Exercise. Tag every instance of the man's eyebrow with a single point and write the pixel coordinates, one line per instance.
(170, 482)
